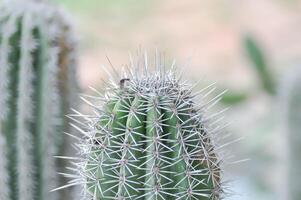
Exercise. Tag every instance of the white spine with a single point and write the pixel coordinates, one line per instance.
(25, 113)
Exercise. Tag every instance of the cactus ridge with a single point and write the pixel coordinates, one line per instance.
(148, 139)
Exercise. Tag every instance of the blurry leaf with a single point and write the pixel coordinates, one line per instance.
(256, 56)
(231, 98)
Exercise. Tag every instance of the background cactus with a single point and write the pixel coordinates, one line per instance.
(149, 139)
(37, 81)
(290, 95)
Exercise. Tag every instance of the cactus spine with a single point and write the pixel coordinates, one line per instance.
(36, 71)
(149, 139)
(290, 94)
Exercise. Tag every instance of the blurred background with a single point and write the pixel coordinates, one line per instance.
(248, 47)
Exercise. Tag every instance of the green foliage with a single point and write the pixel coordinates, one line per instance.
(259, 62)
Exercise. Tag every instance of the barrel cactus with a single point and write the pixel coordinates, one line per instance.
(37, 79)
(148, 139)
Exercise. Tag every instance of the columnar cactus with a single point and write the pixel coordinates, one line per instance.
(37, 80)
(149, 139)
(290, 93)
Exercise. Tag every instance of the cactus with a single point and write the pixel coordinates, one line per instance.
(290, 94)
(37, 79)
(148, 139)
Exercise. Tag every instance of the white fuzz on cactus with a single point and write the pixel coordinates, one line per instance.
(25, 113)
(149, 138)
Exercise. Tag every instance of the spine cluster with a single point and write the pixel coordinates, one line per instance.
(37, 62)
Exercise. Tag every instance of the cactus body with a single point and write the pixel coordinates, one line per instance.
(291, 116)
(36, 71)
(149, 140)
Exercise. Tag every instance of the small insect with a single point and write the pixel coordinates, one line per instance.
(123, 82)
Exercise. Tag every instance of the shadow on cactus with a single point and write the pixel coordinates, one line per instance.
(149, 139)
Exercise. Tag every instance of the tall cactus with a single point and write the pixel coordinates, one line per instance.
(290, 93)
(149, 139)
(37, 79)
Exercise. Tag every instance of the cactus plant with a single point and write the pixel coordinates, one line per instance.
(37, 79)
(290, 95)
(148, 139)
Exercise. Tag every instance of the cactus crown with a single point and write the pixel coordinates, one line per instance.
(148, 139)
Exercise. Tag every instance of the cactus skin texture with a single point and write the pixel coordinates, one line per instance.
(290, 94)
(148, 139)
(37, 79)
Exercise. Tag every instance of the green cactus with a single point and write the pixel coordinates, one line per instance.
(37, 79)
(149, 140)
(290, 94)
